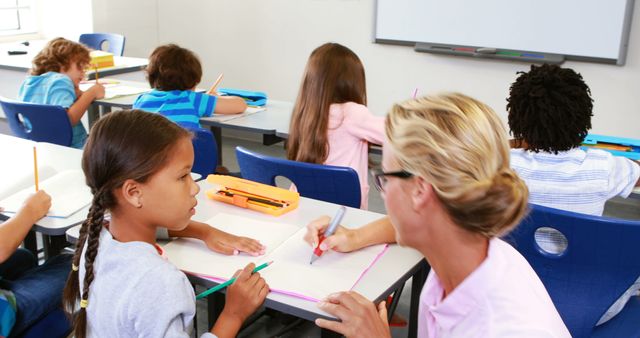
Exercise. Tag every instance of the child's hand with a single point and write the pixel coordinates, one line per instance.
(228, 244)
(78, 92)
(246, 294)
(343, 240)
(36, 206)
(97, 91)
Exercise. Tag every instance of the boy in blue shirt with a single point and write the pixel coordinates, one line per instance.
(55, 77)
(173, 73)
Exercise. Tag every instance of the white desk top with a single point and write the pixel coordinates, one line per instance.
(388, 270)
(51, 157)
(22, 63)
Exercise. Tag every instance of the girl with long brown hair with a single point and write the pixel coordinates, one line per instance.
(138, 167)
(330, 123)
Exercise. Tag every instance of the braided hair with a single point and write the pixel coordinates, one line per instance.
(129, 144)
(549, 108)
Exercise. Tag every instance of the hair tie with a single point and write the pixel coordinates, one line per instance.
(84, 303)
(74, 267)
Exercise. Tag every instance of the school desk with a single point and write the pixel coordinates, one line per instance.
(18, 157)
(273, 120)
(390, 272)
(14, 68)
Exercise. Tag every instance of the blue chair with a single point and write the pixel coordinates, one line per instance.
(38, 122)
(96, 40)
(54, 325)
(333, 184)
(205, 152)
(599, 264)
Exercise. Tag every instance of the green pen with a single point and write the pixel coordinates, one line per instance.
(229, 282)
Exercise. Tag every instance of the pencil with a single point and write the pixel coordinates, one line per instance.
(415, 92)
(229, 282)
(35, 166)
(212, 91)
(95, 66)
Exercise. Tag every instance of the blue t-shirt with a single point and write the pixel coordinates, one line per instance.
(184, 107)
(54, 89)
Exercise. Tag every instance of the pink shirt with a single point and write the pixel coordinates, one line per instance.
(503, 297)
(351, 128)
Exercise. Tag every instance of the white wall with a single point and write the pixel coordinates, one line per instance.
(263, 45)
(65, 18)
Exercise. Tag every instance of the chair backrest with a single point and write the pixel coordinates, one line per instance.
(38, 122)
(599, 264)
(333, 184)
(205, 152)
(96, 40)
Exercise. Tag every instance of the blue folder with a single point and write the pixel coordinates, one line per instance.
(252, 98)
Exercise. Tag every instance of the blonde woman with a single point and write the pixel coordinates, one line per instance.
(449, 193)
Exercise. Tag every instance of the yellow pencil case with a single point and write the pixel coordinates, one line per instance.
(252, 195)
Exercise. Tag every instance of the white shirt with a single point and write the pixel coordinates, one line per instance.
(575, 180)
(137, 293)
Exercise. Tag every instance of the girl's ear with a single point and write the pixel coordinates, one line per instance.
(131, 193)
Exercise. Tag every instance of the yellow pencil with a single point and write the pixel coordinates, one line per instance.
(35, 166)
(212, 91)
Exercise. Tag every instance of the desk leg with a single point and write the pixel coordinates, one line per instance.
(217, 135)
(93, 114)
(215, 305)
(417, 282)
(53, 245)
(30, 242)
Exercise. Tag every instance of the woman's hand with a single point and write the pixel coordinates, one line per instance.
(359, 316)
(343, 240)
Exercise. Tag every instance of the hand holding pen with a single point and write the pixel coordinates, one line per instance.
(330, 230)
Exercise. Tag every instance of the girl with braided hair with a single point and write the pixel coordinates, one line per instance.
(138, 167)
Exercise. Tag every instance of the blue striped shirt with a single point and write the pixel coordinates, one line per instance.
(575, 180)
(54, 89)
(184, 107)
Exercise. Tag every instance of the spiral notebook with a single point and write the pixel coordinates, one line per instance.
(290, 272)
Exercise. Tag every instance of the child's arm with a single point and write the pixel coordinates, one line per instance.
(346, 240)
(83, 101)
(220, 241)
(230, 105)
(244, 297)
(13, 231)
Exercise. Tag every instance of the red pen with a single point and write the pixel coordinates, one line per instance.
(330, 230)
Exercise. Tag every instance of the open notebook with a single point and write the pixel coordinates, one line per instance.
(113, 89)
(68, 191)
(290, 272)
(228, 117)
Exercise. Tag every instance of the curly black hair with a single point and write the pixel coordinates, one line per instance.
(549, 108)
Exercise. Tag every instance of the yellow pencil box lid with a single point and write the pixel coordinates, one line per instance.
(101, 59)
(252, 195)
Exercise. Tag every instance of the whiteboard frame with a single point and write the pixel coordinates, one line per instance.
(620, 60)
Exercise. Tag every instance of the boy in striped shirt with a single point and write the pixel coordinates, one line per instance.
(173, 73)
(549, 112)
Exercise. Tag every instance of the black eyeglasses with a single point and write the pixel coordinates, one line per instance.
(380, 177)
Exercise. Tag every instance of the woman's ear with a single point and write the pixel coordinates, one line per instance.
(131, 192)
(422, 193)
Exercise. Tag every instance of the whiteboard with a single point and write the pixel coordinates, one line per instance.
(578, 29)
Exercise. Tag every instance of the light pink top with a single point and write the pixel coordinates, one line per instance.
(351, 128)
(503, 297)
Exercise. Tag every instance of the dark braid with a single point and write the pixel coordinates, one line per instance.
(124, 145)
(550, 108)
